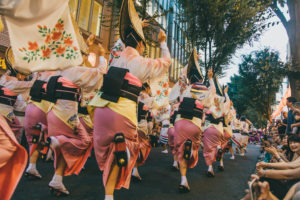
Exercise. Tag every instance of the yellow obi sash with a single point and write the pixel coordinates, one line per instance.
(197, 121)
(124, 107)
(45, 106)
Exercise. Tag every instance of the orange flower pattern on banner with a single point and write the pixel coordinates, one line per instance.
(59, 26)
(56, 36)
(46, 53)
(68, 42)
(60, 50)
(33, 46)
(162, 92)
(57, 43)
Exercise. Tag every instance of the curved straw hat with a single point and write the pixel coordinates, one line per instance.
(219, 90)
(130, 18)
(193, 68)
(10, 60)
(82, 45)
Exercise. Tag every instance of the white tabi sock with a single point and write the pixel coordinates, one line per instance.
(109, 197)
(210, 168)
(218, 147)
(175, 163)
(135, 173)
(57, 178)
(31, 166)
(184, 181)
(54, 143)
(221, 163)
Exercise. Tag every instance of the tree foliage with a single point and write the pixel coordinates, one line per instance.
(220, 27)
(254, 90)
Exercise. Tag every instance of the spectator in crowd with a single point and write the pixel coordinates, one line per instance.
(282, 175)
(290, 118)
(296, 112)
(281, 125)
(264, 193)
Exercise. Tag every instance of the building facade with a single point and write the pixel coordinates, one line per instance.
(96, 16)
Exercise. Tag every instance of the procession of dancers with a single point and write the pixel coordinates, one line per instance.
(71, 102)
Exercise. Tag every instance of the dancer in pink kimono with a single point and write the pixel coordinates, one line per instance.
(227, 134)
(36, 113)
(245, 129)
(13, 160)
(145, 103)
(115, 106)
(69, 139)
(144, 143)
(174, 100)
(228, 127)
(213, 132)
(10, 88)
(19, 111)
(87, 94)
(237, 137)
(171, 136)
(189, 120)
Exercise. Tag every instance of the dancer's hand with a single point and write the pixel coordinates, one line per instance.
(210, 73)
(101, 50)
(226, 89)
(162, 36)
(145, 23)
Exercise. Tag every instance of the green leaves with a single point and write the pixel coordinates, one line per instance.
(254, 90)
(219, 27)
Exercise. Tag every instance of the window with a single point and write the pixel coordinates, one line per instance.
(147, 50)
(88, 14)
(157, 52)
(73, 5)
(96, 18)
(152, 54)
(166, 5)
(165, 25)
(149, 8)
(84, 14)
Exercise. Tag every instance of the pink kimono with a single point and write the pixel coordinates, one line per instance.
(188, 129)
(13, 160)
(228, 116)
(213, 134)
(63, 122)
(108, 122)
(13, 87)
(35, 114)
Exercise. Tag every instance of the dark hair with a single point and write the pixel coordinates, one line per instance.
(131, 37)
(145, 86)
(294, 138)
(291, 99)
(243, 118)
(288, 152)
(194, 79)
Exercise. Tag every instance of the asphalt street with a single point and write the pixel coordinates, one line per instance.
(159, 181)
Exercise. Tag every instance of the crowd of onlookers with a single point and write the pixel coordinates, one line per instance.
(278, 171)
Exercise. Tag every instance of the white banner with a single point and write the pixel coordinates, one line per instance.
(42, 35)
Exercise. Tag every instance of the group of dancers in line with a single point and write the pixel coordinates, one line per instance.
(107, 106)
